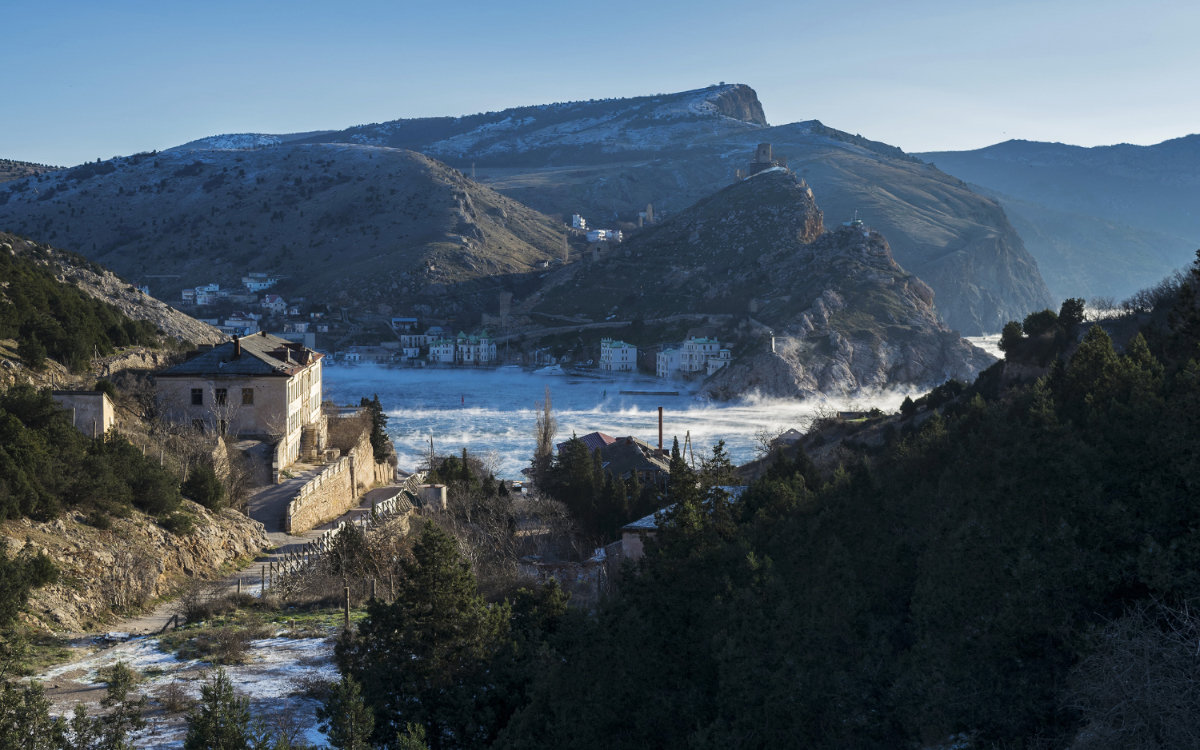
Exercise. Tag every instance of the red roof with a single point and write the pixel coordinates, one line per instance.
(593, 440)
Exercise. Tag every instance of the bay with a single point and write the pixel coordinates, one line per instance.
(492, 412)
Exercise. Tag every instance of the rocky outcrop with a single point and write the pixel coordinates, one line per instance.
(103, 573)
(755, 259)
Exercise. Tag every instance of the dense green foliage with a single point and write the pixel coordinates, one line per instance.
(203, 486)
(379, 439)
(949, 586)
(52, 319)
(439, 657)
(600, 503)
(46, 465)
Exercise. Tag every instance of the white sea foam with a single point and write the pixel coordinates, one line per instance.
(494, 411)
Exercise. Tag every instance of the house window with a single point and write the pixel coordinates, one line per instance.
(197, 397)
(220, 396)
(247, 397)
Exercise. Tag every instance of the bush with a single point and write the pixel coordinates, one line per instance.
(179, 524)
(203, 486)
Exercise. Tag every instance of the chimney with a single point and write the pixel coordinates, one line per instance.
(237, 347)
(660, 448)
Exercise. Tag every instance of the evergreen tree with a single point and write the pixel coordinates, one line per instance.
(345, 718)
(379, 418)
(422, 659)
(25, 722)
(221, 720)
(203, 486)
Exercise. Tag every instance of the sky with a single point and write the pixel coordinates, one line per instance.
(85, 80)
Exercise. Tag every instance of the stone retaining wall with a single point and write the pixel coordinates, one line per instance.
(328, 495)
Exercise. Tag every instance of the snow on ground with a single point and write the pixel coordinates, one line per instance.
(274, 678)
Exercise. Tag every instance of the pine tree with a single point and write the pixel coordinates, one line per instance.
(221, 721)
(345, 718)
(422, 658)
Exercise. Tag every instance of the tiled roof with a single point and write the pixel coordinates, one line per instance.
(593, 440)
(261, 355)
(630, 454)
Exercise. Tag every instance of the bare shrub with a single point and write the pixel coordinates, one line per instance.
(1140, 686)
(202, 599)
(174, 698)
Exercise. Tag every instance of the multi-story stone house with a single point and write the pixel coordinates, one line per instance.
(254, 386)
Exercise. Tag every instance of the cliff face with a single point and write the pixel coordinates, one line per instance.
(755, 259)
(107, 572)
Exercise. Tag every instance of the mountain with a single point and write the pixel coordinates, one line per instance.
(1102, 221)
(754, 261)
(352, 225)
(391, 223)
(608, 159)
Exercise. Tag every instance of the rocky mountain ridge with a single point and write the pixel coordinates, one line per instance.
(104, 285)
(608, 159)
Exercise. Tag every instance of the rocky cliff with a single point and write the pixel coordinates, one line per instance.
(103, 573)
(755, 259)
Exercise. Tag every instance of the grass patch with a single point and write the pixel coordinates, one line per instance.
(25, 652)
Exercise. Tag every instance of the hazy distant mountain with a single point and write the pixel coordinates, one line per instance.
(1105, 221)
(352, 225)
(754, 259)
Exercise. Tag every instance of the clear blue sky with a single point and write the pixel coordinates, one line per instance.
(83, 79)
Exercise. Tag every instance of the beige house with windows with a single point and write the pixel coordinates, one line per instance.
(255, 386)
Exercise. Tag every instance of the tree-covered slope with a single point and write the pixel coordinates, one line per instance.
(983, 579)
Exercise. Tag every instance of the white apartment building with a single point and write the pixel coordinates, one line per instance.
(617, 356)
(697, 354)
(667, 363)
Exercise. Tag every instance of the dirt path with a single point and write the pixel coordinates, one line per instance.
(267, 506)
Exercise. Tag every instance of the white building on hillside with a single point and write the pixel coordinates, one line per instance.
(696, 355)
(617, 356)
(604, 235)
(578, 222)
(667, 363)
